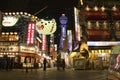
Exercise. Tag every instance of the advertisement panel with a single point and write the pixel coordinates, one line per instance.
(46, 26)
(77, 24)
(30, 33)
(9, 21)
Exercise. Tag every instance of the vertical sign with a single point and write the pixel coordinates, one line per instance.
(43, 42)
(69, 34)
(77, 25)
(30, 34)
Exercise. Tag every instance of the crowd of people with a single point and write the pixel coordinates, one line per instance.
(7, 63)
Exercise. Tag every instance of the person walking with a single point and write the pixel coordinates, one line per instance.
(44, 64)
(63, 64)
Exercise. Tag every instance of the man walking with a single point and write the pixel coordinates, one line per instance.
(44, 64)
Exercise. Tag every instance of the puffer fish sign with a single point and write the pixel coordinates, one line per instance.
(46, 26)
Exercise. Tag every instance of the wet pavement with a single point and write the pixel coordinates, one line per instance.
(53, 74)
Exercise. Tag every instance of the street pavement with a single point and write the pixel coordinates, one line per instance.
(54, 74)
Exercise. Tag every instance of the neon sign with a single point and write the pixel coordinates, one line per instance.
(30, 34)
(46, 26)
(9, 21)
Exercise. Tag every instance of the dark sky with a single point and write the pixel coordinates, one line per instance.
(50, 7)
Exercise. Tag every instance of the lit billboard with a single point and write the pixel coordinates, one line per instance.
(69, 34)
(103, 43)
(77, 24)
(30, 33)
(43, 42)
(46, 27)
(9, 21)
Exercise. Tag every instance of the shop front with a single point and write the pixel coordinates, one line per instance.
(28, 56)
(114, 65)
(100, 52)
(99, 58)
(8, 56)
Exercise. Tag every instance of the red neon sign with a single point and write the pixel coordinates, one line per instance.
(43, 42)
(30, 34)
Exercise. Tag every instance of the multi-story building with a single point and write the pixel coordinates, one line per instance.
(19, 40)
(100, 23)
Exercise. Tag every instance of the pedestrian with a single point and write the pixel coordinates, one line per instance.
(36, 66)
(63, 64)
(58, 63)
(44, 64)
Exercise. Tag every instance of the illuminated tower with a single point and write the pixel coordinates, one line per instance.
(63, 24)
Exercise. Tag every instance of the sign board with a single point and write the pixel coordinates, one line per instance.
(9, 21)
(46, 26)
(26, 49)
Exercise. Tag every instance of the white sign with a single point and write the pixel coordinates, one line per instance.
(103, 43)
(27, 49)
(46, 26)
(8, 48)
(9, 21)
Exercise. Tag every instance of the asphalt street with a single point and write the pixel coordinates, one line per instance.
(53, 74)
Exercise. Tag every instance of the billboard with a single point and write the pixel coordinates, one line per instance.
(69, 34)
(30, 33)
(103, 43)
(77, 24)
(46, 27)
(9, 21)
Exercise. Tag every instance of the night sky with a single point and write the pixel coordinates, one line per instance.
(52, 7)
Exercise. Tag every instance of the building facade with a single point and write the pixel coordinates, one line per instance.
(19, 39)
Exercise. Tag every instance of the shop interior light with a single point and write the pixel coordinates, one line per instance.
(96, 8)
(7, 33)
(13, 13)
(11, 33)
(15, 33)
(10, 13)
(87, 8)
(103, 8)
(29, 15)
(99, 51)
(21, 13)
(81, 2)
(6, 13)
(114, 8)
(25, 13)
(3, 33)
(17, 13)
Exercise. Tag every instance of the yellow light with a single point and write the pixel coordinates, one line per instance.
(96, 51)
(96, 8)
(102, 51)
(92, 51)
(103, 8)
(87, 8)
(81, 2)
(99, 50)
(114, 8)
